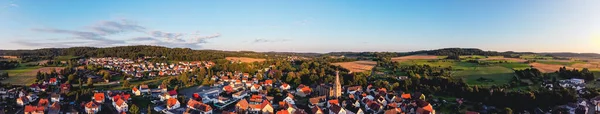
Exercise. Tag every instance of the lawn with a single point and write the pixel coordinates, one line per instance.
(533, 56)
(500, 75)
(472, 57)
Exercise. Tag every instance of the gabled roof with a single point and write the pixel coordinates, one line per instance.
(316, 109)
(171, 102)
(406, 96)
(264, 104)
(284, 111)
(55, 106)
(91, 104)
(205, 108)
(334, 102)
(99, 97)
(120, 102)
(393, 111)
(143, 86)
(43, 102)
(228, 89)
(193, 103)
(172, 92)
(135, 89)
(29, 108)
(269, 81)
(242, 104)
(336, 109)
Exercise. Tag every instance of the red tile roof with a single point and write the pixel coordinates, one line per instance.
(91, 105)
(171, 102)
(172, 92)
(120, 102)
(283, 112)
(243, 104)
(43, 102)
(99, 97)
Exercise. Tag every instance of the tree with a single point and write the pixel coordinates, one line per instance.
(71, 77)
(126, 83)
(149, 110)
(106, 76)
(134, 109)
(90, 83)
(508, 110)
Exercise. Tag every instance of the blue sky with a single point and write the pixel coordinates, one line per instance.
(306, 25)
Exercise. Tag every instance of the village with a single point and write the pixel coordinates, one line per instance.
(232, 92)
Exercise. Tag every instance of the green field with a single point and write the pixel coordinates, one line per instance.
(499, 75)
(532, 56)
(472, 57)
(441, 63)
(21, 75)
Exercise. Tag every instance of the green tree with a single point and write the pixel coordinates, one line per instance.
(90, 83)
(134, 109)
(126, 83)
(106, 76)
(508, 110)
(71, 77)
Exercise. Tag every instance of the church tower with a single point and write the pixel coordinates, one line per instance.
(337, 86)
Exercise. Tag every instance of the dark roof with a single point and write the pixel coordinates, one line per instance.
(335, 109)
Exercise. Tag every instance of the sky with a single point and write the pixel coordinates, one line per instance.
(305, 25)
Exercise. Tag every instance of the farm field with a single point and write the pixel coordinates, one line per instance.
(441, 63)
(26, 75)
(417, 57)
(244, 59)
(64, 58)
(499, 75)
(500, 58)
(547, 68)
(357, 66)
(560, 62)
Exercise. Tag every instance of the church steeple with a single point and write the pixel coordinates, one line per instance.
(337, 92)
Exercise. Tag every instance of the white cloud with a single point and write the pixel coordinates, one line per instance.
(14, 5)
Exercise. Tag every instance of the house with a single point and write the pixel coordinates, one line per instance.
(205, 109)
(92, 108)
(172, 103)
(335, 109)
(303, 91)
(120, 105)
(316, 110)
(255, 88)
(266, 107)
(285, 86)
(52, 81)
(163, 87)
(284, 111)
(65, 88)
(34, 87)
(144, 89)
(394, 111)
(240, 95)
(268, 83)
(29, 109)
(317, 100)
(55, 97)
(193, 104)
(354, 89)
(228, 89)
(136, 91)
(241, 106)
(54, 108)
(99, 97)
(43, 103)
(168, 95)
(22, 101)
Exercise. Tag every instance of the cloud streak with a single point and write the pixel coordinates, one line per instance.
(261, 40)
(98, 34)
(14, 5)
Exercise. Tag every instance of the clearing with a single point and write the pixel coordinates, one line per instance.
(26, 75)
(357, 66)
(244, 59)
(417, 57)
